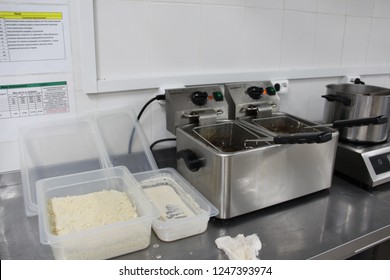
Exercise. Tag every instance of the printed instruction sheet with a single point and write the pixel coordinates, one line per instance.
(36, 74)
(34, 39)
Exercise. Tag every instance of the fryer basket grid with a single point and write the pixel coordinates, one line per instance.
(283, 125)
(227, 137)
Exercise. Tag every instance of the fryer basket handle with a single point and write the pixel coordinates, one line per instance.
(303, 138)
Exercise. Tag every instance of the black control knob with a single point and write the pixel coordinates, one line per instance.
(199, 98)
(255, 92)
(358, 82)
(191, 160)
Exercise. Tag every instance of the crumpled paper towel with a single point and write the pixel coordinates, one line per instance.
(240, 247)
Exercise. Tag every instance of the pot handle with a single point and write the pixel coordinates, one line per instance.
(192, 161)
(303, 138)
(360, 122)
(333, 97)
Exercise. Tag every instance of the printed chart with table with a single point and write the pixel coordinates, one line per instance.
(33, 99)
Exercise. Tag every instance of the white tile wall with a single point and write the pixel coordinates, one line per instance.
(84, 102)
(379, 44)
(360, 7)
(298, 40)
(301, 5)
(332, 6)
(224, 2)
(169, 37)
(175, 39)
(221, 38)
(377, 80)
(263, 36)
(297, 100)
(178, 1)
(271, 4)
(329, 40)
(127, 33)
(356, 34)
(163, 37)
(382, 8)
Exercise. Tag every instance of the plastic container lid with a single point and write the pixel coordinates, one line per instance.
(124, 140)
(174, 222)
(57, 149)
(98, 140)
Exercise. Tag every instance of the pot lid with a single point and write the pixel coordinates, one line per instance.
(358, 89)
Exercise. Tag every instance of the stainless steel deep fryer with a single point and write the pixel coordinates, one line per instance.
(211, 136)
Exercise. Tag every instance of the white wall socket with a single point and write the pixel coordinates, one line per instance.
(349, 79)
(283, 86)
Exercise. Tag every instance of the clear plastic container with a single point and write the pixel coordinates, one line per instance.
(170, 229)
(56, 149)
(101, 242)
(124, 140)
(95, 141)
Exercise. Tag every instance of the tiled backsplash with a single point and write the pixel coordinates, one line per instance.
(186, 37)
(210, 36)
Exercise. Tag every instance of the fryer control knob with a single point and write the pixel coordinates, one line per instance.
(191, 160)
(255, 92)
(199, 98)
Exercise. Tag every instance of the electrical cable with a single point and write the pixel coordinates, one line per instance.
(157, 97)
(144, 107)
(161, 140)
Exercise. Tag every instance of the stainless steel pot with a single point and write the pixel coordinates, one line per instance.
(350, 101)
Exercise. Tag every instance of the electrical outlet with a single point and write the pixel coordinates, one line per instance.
(281, 86)
(349, 79)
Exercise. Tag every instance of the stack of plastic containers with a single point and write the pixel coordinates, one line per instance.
(100, 151)
(92, 142)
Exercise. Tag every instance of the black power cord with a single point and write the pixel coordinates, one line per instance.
(157, 97)
(161, 140)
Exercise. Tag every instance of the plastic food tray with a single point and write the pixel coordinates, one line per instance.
(102, 242)
(174, 229)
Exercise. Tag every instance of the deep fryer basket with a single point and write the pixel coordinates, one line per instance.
(282, 125)
(226, 137)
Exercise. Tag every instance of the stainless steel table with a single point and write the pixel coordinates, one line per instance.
(332, 224)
